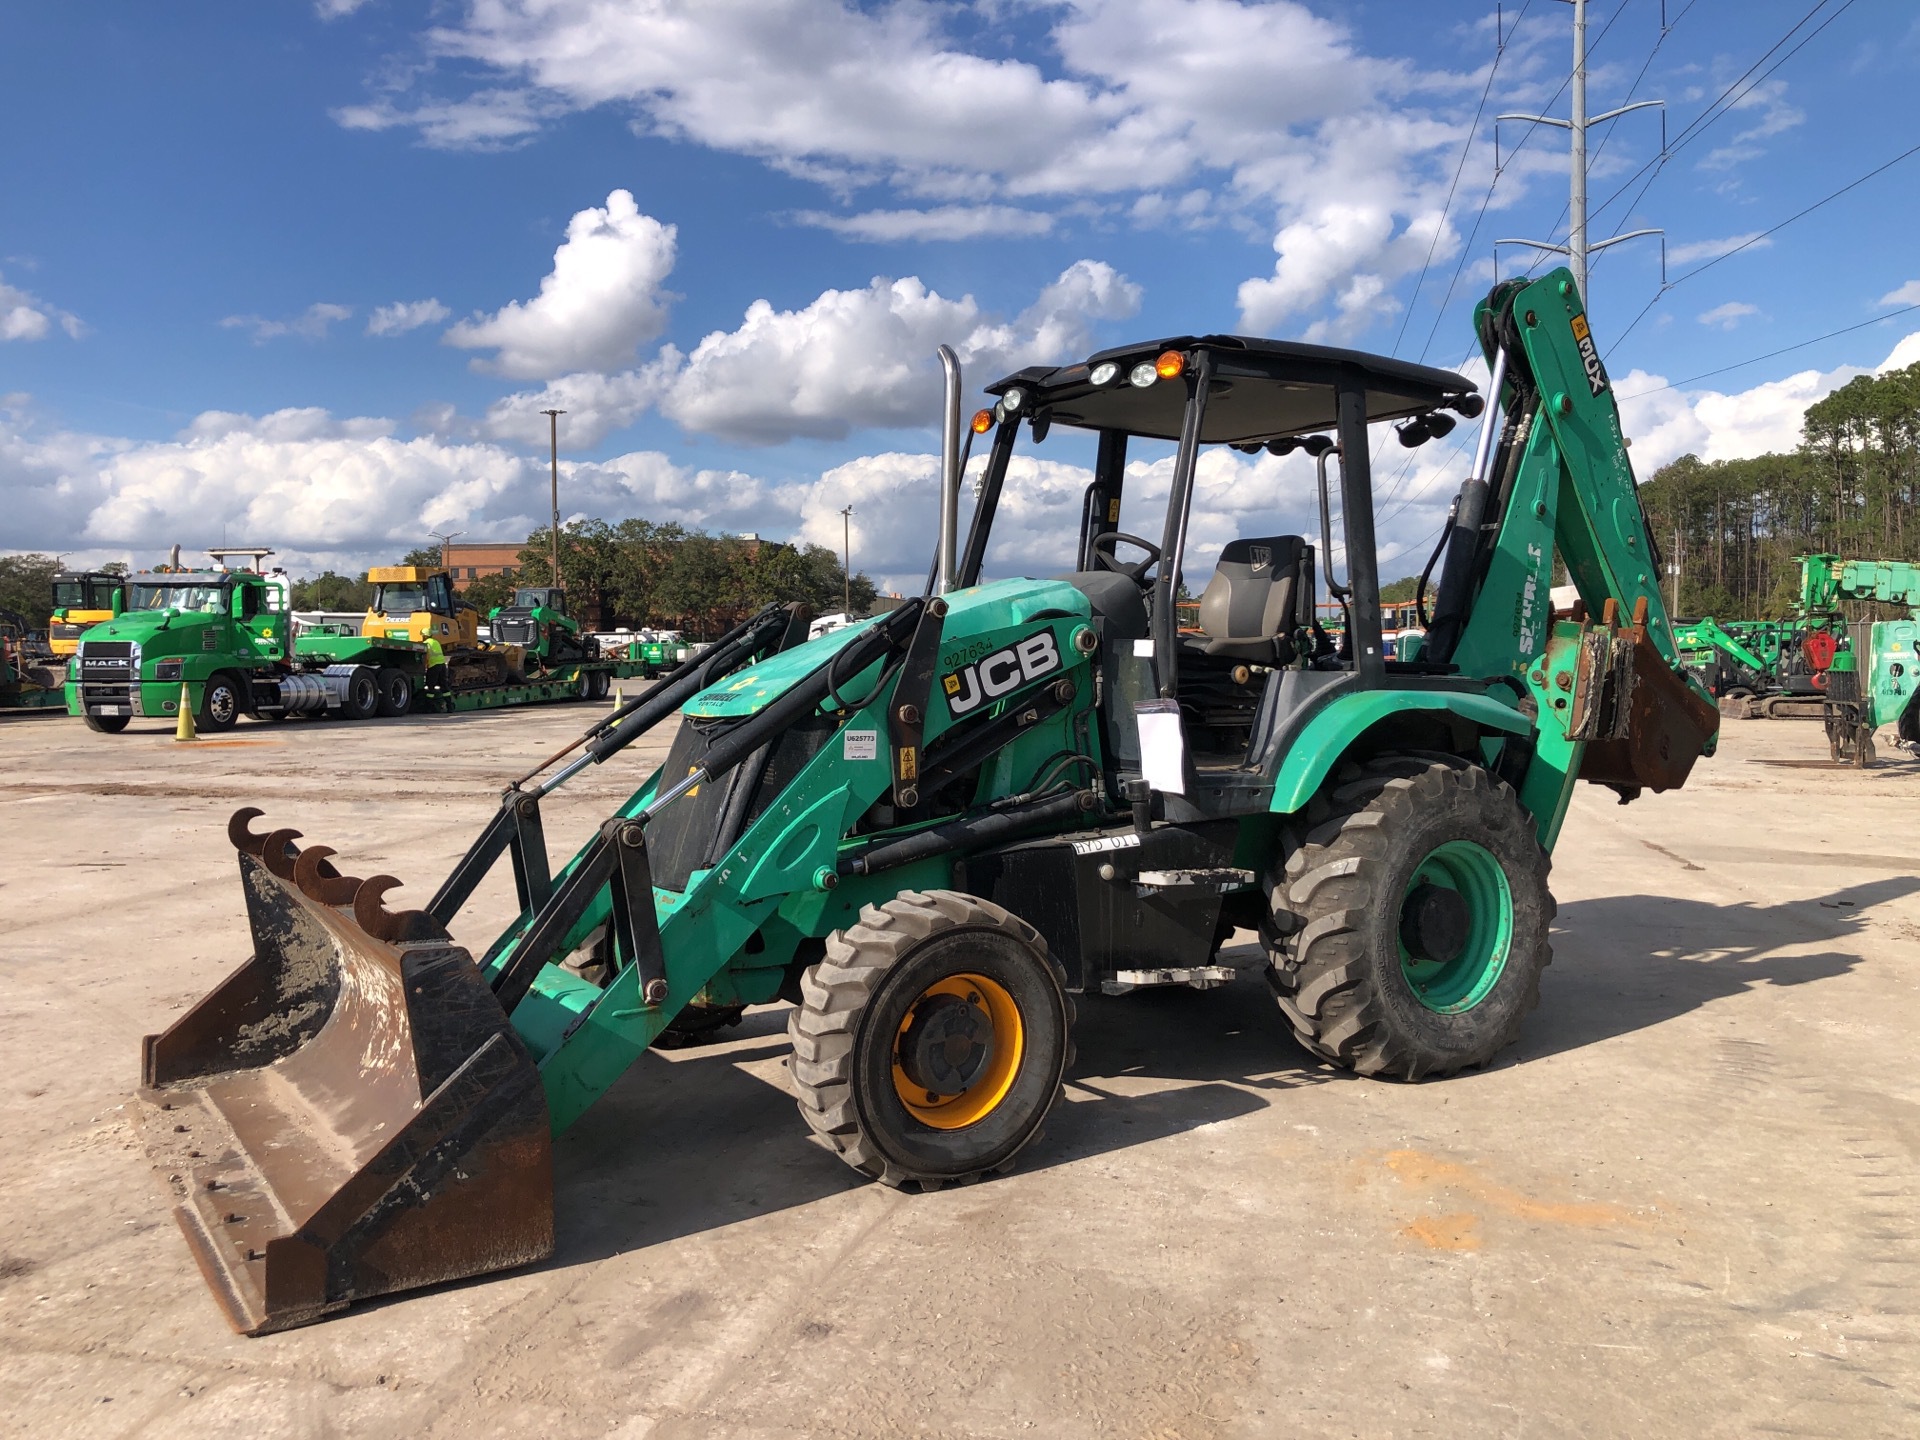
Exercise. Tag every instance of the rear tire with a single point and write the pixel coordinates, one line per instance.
(396, 692)
(220, 705)
(932, 1040)
(1410, 929)
(362, 697)
(106, 724)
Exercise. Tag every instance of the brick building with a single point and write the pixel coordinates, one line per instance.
(469, 562)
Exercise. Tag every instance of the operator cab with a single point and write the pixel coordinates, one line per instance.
(1246, 666)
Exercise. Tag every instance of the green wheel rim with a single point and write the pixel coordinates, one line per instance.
(1471, 871)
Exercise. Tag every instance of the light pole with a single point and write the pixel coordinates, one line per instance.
(445, 540)
(846, 562)
(553, 436)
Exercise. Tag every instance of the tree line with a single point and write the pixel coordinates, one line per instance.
(636, 573)
(1736, 528)
(642, 573)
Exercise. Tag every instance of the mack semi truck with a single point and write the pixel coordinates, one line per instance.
(226, 634)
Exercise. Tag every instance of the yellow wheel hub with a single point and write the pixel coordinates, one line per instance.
(957, 1051)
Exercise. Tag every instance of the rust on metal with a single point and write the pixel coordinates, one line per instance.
(344, 1116)
(277, 852)
(318, 880)
(392, 926)
(1643, 724)
(240, 830)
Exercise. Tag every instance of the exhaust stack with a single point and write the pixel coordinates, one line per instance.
(945, 560)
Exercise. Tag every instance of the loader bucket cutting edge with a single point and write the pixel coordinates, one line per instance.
(345, 1115)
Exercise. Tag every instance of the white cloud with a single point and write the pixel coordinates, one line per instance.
(1731, 425)
(336, 9)
(600, 301)
(312, 324)
(1775, 117)
(595, 405)
(1713, 249)
(944, 222)
(1237, 109)
(405, 315)
(1907, 294)
(854, 359)
(25, 317)
(1727, 316)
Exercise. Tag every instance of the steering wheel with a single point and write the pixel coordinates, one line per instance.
(1103, 546)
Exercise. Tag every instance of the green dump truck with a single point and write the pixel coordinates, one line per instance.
(230, 638)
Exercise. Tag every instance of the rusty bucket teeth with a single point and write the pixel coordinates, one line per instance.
(393, 926)
(240, 830)
(318, 880)
(278, 852)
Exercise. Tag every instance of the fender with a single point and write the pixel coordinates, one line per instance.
(1331, 733)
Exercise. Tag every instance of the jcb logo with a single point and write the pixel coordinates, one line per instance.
(1589, 356)
(972, 686)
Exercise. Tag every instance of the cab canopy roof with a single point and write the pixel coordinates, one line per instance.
(1262, 389)
(403, 574)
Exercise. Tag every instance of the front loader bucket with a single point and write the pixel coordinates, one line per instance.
(351, 1112)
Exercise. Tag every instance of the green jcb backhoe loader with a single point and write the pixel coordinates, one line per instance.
(932, 829)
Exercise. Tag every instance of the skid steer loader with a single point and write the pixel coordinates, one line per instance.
(932, 829)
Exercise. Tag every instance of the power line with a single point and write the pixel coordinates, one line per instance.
(1723, 104)
(1466, 247)
(1771, 354)
(1756, 239)
(1634, 89)
(1473, 130)
(1486, 200)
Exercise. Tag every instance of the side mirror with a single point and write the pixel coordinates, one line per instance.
(119, 601)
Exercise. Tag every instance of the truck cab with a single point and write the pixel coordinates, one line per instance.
(210, 630)
(417, 603)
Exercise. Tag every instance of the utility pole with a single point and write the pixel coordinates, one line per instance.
(1577, 249)
(445, 540)
(553, 436)
(846, 562)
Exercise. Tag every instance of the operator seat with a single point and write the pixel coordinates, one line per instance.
(1260, 597)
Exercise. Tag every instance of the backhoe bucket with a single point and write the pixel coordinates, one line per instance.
(350, 1113)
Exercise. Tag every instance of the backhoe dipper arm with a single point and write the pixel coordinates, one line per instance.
(1615, 705)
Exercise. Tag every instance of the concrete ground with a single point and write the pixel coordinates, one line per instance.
(1684, 1205)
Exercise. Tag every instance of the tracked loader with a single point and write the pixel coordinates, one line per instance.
(931, 830)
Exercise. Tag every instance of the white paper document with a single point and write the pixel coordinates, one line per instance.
(1163, 750)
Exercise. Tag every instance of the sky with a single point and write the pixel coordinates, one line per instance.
(306, 274)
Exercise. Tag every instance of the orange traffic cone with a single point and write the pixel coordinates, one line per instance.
(184, 729)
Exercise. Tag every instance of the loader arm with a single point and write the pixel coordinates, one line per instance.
(1615, 704)
(1711, 632)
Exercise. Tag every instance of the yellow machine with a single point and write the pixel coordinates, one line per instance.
(417, 603)
(81, 600)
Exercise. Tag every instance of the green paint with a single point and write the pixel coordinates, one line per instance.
(1331, 733)
(1470, 871)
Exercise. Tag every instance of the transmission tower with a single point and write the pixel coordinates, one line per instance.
(1576, 125)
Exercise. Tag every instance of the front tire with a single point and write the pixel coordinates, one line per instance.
(931, 1041)
(1410, 929)
(219, 705)
(106, 724)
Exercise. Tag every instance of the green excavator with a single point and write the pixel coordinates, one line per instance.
(1872, 681)
(929, 831)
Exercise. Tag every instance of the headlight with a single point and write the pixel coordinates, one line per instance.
(168, 671)
(1103, 373)
(1143, 375)
(1013, 400)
